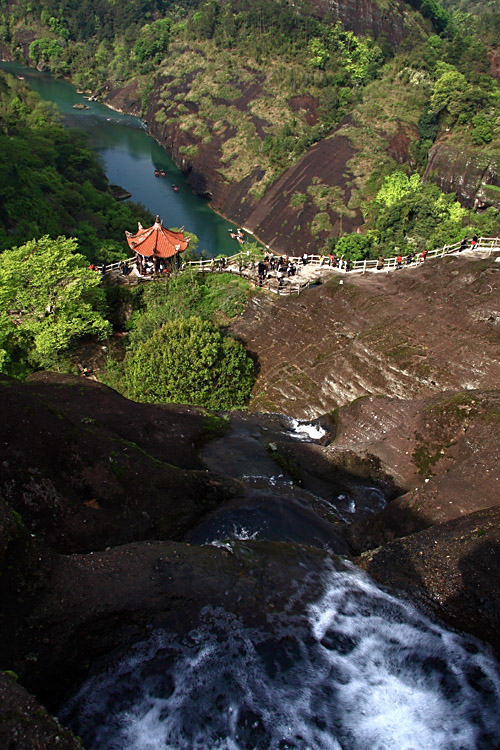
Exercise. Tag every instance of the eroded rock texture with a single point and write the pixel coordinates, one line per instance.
(407, 334)
(100, 494)
(473, 174)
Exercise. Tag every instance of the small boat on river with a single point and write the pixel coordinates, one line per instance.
(238, 235)
(175, 188)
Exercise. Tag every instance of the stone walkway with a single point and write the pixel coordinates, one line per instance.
(311, 272)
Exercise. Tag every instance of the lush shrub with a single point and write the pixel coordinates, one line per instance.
(353, 246)
(189, 361)
(483, 130)
(184, 295)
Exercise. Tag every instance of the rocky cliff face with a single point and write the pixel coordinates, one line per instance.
(273, 217)
(217, 117)
(81, 459)
(472, 173)
(285, 227)
(495, 64)
(367, 18)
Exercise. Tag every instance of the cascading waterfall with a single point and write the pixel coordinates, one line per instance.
(362, 670)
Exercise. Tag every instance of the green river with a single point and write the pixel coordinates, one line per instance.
(130, 157)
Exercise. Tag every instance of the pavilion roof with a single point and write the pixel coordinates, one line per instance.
(157, 241)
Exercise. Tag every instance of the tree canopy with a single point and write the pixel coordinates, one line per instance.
(52, 183)
(48, 299)
(190, 361)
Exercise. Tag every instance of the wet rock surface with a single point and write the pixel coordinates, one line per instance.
(82, 579)
(443, 450)
(88, 475)
(451, 568)
(92, 604)
(85, 472)
(25, 724)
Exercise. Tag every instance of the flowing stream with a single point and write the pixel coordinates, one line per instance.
(360, 670)
(365, 671)
(130, 157)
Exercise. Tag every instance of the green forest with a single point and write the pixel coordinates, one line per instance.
(437, 81)
(52, 183)
(196, 57)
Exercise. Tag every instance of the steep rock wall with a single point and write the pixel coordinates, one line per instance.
(289, 229)
(495, 64)
(367, 18)
(473, 174)
(272, 218)
(202, 160)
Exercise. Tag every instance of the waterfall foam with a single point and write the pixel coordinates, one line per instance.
(362, 670)
(305, 430)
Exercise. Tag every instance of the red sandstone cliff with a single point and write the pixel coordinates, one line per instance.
(472, 173)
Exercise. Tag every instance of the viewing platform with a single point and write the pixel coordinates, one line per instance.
(315, 267)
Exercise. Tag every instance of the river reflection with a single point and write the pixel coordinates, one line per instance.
(130, 156)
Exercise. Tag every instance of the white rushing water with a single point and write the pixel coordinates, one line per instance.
(305, 431)
(365, 671)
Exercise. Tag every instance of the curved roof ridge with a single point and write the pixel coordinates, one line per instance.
(157, 241)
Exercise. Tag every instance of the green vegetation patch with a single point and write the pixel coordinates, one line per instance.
(48, 300)
(214, 425)
(51, 183)
(395, 344)
(189, 361)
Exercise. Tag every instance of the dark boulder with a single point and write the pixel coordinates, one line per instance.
(451, 568)
(25, 724)
(84, 468)
(94, 603)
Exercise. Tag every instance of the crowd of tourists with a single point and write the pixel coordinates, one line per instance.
(280, 267)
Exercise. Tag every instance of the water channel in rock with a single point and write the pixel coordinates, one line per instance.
(359, 669)
(129, 157)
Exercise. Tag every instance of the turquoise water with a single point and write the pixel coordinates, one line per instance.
(129, 157)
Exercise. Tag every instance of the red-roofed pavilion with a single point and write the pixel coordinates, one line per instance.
(157, 245)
